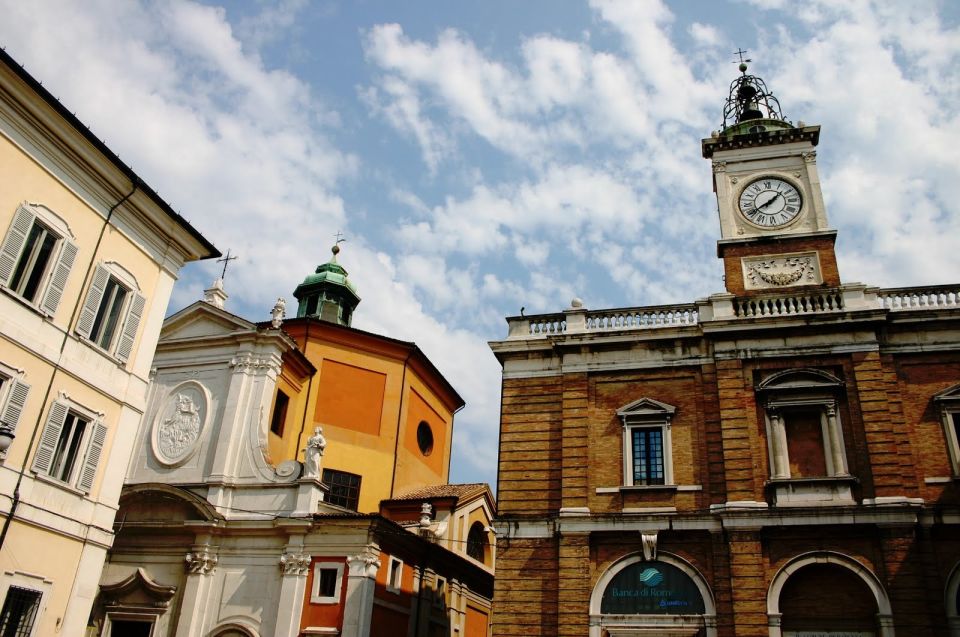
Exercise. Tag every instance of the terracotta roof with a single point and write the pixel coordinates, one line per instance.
(458, 491)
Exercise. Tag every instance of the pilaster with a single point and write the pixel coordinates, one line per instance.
(573, 579)
(743, 470)
(574, 443)
(748, 583)
(361, 583)
(200, 562)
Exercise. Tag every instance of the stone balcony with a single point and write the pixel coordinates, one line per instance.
(852, 297)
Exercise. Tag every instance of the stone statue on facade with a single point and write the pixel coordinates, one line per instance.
(278, 313)
(313, 453)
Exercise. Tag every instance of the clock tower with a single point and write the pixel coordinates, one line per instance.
(773, 225)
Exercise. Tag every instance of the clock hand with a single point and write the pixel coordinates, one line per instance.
(770, 201)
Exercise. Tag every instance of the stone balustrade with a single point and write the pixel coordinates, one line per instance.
(918, 298)
(850, 298)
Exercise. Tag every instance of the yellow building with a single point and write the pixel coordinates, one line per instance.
(386, 411)
(88, 259)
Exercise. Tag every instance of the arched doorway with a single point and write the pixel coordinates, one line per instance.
(829, 594)
(952, 601)
(666, 595)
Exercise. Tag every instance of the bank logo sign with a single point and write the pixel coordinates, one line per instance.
(651, 588)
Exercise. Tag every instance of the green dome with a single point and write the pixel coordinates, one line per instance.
(327, 293)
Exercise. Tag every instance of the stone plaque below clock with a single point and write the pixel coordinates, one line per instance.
(781, 271)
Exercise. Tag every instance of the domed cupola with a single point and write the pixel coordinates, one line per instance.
(327, 294)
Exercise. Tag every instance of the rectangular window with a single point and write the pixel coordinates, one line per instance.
(36, 257)
(394, 575)
(647, 446)
(279, 413)
(19, 612)
(344, 488)
(68, 447)
(327, 577)
(108, 314)
(440, 593)
(33, 261)
(112, 310)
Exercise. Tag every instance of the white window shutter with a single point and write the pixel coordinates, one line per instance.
(17, 398)
(90, 463)
(49, 437)
(92, 303)
(13, 242)
(58, 280)
(130, 325)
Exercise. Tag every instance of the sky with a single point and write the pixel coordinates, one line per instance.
(483, 157)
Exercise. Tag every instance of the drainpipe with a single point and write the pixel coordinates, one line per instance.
(396, 443)
(135, 183)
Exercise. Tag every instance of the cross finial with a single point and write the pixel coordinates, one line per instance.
(226, 261)
(740, 52)
(339, 238)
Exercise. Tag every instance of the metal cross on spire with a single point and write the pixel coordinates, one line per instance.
(740, 53)
(226, 261)
(339, 238)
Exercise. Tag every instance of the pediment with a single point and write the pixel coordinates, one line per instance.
(202, 320)
(800, 379)
(137, 590)
(646, 408)
(949, 396)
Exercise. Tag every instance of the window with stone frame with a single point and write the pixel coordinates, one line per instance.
(948, 407)
(112, 309)
(19, 612)
(36, 256)
(804, 432)
(647, 452)
(70, 446)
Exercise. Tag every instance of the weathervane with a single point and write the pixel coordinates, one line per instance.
(743, 62)
(226, 261)
(749, 98)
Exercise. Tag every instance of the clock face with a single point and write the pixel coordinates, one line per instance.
(770, 202)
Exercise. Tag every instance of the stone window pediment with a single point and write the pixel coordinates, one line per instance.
(808, 460)
(948, 408)
(647, 451)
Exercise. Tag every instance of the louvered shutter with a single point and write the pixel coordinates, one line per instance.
(130, 325)
(58, 280)
(13, 243)
(92, 303)
(89, 471)
(17, 398)
(49, 437)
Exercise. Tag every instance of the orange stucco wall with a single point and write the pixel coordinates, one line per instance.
(477, 621)
(337, 400)
(330, 615)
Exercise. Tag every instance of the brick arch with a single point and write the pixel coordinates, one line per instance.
(596, 596)
(884, 611)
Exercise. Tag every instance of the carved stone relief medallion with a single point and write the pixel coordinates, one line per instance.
(781, 271)
(177, 427)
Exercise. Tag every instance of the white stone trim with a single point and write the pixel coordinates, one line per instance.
(29, 581)
(315, 597)
(884, 611)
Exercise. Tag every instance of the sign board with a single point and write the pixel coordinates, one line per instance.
(652, 588)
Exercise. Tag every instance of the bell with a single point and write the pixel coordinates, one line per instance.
(750, 111)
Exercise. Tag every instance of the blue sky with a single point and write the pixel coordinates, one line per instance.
(486, 156)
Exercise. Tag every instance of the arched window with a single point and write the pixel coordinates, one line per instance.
(477, 542)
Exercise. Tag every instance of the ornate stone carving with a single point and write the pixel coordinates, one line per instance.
(719, 166)
(781, 271)
(810, 156)
(365, 564)
(249, 364)
(201, 562)
(295, 563)
(649, 543)
(288, 469)
(179, 423)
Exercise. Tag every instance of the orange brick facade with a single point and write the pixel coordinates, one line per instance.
(566, 517)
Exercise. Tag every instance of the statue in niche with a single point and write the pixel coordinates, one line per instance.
(313, 453)
(178, 432)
